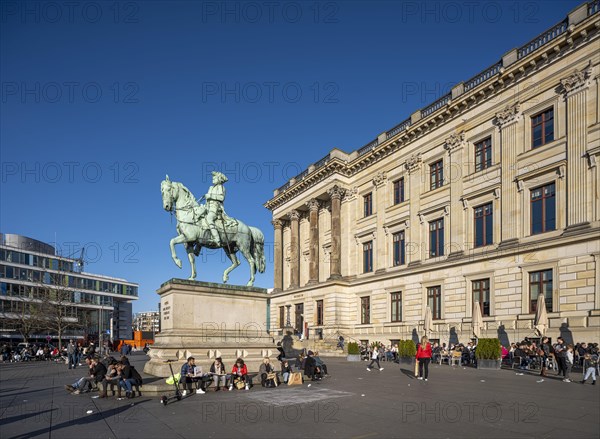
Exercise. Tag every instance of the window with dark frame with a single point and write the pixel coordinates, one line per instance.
(436, 238)
(365, 310)
(396, 311)
(434, 300)
(542, 128)
(481, 294)
(281, 317)
(484, 225)
(399, 191)
(368, 204)
(368, 257)
(436, 174)
(399, 244)
(543, 209)
(483, 154)
(540, 282)
(319, 312)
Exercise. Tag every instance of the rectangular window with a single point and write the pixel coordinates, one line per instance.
(399, 248)
(540, 282)
(481, 294)
(368, 257)
(436, 174)
(542, 128)
(281, 316)
(484, 225)
(368, 204)
(319, 312)
(396, 301)
(399, 191)
(483, 154)
(365, 310)
(434, 300)
(543, 209)
(436, 238)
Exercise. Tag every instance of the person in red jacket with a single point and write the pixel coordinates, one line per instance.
(424, 357)
(239, 373)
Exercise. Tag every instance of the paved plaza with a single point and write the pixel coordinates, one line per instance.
(456, 402)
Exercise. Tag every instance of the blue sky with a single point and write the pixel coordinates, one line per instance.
(101, 99)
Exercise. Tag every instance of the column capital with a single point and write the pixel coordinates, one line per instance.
(313, 205)
(336, 192)
(412, 163)
(576, 81)
(455, 140)
(294, 215)
(380, 179)
(507, 116)
(277, 224)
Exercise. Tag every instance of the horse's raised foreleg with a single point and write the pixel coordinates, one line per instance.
(177, 240)
(234, 264)
(192, 259)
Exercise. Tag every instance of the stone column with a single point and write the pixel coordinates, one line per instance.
(575, 89)
(336, 193)
(313, 218)
(288, 322)
(507, 121)
(415, 247)
(278, 255)
(455, 238)
(380, 198)
(294, 216)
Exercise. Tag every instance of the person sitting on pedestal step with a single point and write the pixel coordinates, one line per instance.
(268, 376)
(126, 379)
(239, 376)
(321, 367)
(190, 374)
(286, 371)
(219, 374)
(310, 367)
(83, 384)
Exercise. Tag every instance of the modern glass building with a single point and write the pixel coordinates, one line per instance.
(30, 269)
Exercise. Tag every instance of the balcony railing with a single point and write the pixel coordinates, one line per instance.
(436, 105)
(398, 128)
(483, 76)
(322, 162)
(365, 149)
(543, 39)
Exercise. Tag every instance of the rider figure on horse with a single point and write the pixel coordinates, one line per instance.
(214, 204)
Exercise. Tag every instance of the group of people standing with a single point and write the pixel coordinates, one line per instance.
(423, 358)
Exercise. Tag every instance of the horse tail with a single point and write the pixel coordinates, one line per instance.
(258, 250)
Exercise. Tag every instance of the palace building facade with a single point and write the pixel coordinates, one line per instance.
(489, 194)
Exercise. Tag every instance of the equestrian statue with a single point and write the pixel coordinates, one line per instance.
(207, 225)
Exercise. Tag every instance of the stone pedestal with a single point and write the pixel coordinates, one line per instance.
(207, 320)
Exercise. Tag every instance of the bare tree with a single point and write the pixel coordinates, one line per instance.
(27, 317)
(58, 311)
